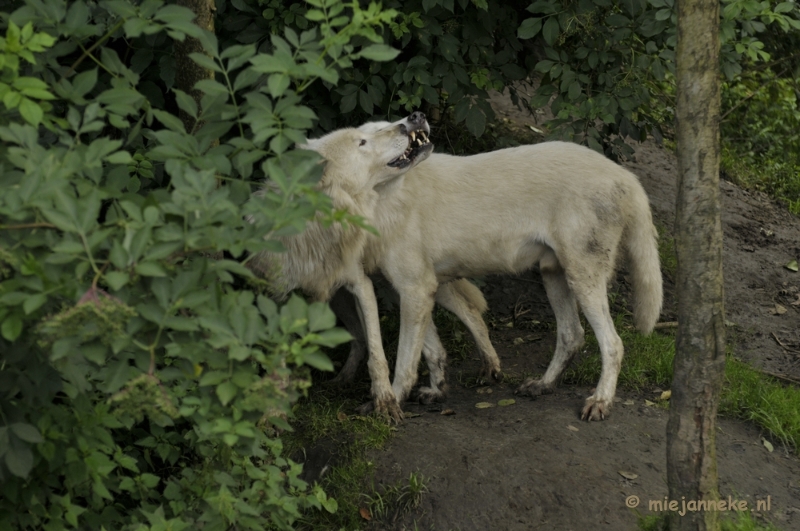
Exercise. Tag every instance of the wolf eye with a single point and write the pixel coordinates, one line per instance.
(362, 142)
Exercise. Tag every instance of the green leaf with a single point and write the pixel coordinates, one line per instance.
(331, 338)
(239, 353)
(379, 52)
(476, 121)
(186, 103)
(550, 30)
(169, 120)
(149, 480)
(574, 90)
(11, 327)
(120, 157)
(205, 61)
(663, 14)
(320, 317)
(277, 84)
(318, 360)
(150, 269)
(19, 460)
(544, 66)
(31, 111)
(529, 28)
(27, 432)
(226, 391)
(100, 489)
(33, 303)
(117, 279)
(616, 20)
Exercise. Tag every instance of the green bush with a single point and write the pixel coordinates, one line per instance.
(761, 134)
(140, 386)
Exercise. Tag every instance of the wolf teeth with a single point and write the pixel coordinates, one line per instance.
(418, 139)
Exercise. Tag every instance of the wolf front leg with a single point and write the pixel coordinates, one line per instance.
(385, 402)
(416, 305)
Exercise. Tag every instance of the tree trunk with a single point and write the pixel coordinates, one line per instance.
(187, 71)
(700, 344)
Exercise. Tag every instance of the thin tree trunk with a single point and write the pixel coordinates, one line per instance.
(187, 71)
(700, 344)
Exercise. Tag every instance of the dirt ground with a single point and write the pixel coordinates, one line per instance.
(535, 465)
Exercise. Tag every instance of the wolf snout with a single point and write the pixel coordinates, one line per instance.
(415, 122)
(417, 118)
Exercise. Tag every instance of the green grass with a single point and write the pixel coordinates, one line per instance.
(666, 251)
(778, 178)
(743, 521)
(325, 416)
(647, 362)
(755, 397)
(397, 499)
(746, 394)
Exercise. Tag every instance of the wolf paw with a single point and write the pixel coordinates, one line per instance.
(387, 408)
(595, 409)
(429, 395)
(490, 375)
(532, 387)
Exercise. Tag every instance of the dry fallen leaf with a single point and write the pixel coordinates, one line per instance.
(364, 512)
(506, 402)
(628, 403)
(518, 341)
(341, 416)
(509, 324)
(792, 266)
(649, 403)
(767, 445)
(484, 390)
(448, 412)
(483, 405)
(665, 395)
(778, 310)
(572, 428)
(628, 475)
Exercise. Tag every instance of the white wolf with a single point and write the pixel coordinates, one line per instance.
(321, 259)
(557, 204)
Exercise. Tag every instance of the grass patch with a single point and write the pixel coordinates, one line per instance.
(647, 363)
(397, 499)
(323, 416)
(753, 396)
(666, 252)
(746, 394)
(743, 521)
(778, 178)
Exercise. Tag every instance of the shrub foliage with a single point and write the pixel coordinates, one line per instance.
(140, 387)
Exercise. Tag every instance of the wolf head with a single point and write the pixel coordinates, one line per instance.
(374, 153)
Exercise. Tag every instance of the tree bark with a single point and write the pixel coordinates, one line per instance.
(700, 344)
(187, 72)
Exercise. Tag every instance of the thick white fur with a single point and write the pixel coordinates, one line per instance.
(321, 259)
(557, 204)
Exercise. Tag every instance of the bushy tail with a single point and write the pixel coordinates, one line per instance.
(645, 268)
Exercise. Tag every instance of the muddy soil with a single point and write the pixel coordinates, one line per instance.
(535, 465)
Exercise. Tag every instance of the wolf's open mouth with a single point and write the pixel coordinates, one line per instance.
(417, 142)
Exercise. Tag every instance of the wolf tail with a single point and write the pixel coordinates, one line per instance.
(645, 268)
